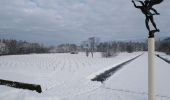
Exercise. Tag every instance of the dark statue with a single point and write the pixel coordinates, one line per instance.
(146, 8)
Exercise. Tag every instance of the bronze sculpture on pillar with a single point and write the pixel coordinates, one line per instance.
(146, 8)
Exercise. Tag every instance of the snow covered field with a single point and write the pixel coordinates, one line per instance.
(67, 77)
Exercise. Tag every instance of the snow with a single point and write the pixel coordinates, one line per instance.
(164, 55)
(67, 77)
(136, 72)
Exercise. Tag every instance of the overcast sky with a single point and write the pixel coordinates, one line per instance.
(62, 21)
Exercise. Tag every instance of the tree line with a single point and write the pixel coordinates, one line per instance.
(89, 46)
(111, 48)
(11, 47)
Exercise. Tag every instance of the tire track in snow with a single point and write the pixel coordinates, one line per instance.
(107, 73)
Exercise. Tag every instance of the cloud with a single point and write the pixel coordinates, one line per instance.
(55, 21)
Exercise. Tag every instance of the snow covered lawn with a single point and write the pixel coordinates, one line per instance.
(66, 77)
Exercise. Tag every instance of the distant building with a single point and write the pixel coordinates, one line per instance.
(3, 48)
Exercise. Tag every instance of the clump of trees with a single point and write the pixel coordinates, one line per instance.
(110, 49)
(164, 45)
(65, 48)
(21, 47)
(107, 49)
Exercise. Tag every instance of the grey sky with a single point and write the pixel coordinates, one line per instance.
(62, 21)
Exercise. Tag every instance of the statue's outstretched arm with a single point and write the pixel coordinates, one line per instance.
(155, 11)
(141, 2)
(135, 4)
